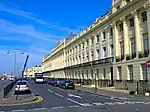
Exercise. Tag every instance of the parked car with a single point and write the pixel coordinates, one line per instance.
(22, 86)
(67, 84)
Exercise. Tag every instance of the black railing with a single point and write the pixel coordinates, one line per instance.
(143, 54)
(128, 57)
(133, 55)
(122, 57)
(118, 58)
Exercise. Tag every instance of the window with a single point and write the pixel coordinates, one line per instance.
(79, 74)
(92, 41)
(87, 42)
(92, 73)
(131, 22)
(87, 74)
(133, 45)
(82, 45)
(112, 50)
(104, 73)
(130, 68)
(104, 35)
(83, 74)
(97, 53)
(144, 17)
(119, 73)
(118, 7)
(104, 52)
(122, 48)
(97, 74)
(145, 42)
(121, 27)
(97, 38)
(144, 71)
(111, 31)
(127, 1)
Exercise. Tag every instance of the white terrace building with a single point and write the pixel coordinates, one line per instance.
(114, 48)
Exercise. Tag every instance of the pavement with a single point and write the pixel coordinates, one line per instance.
(11, 98)
(113, 93)
(61, 100)
(3, 83)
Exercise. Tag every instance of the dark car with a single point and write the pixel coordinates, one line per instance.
(67, 84)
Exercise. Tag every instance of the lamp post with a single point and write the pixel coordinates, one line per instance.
(95, 82)
(15, 59)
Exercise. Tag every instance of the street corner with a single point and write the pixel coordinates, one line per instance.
(35, 99)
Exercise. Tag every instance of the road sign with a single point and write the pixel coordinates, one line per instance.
(148, 63)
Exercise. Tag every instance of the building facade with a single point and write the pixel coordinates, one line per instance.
(112, 50)
(31, 71)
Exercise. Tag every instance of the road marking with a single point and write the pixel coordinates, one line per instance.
(50, 90)
(18, 110)
(57, 107)
(109, 103)
(59, 95)
(98, 104)
(38, 109)
(86, 105)
(74, 106)
(72, 95)
(74, 101)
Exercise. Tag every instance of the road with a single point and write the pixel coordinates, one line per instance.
(60, 100)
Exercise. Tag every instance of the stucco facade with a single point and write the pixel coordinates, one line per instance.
(114, 48)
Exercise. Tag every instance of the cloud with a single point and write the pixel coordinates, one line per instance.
(27, 30)
(35, 18)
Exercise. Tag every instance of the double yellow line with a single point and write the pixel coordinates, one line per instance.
(37, 100)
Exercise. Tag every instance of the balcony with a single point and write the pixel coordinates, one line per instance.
(143, 54)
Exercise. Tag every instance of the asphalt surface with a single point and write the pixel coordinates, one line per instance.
(60, 100)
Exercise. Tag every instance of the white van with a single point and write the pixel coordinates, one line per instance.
(12, 78)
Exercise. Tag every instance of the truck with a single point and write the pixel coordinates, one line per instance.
(39, 78)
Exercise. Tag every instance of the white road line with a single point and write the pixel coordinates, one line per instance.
(59, 95)
(18, 110)
(98, 104)
(109, 103)
(50, 91)
(74, 101)
(72, 95)
(38, 109)
(86, 105)
(57, 107)
(74, 106)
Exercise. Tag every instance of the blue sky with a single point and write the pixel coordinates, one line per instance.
(35, 26)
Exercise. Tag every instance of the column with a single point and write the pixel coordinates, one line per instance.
(137, 32)
(100, 44)
(125, 36)
(147, 7)
(90, 43)
(94, 47)
(107, 42)
(115, 41)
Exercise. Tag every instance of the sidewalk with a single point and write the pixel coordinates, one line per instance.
(11, 98)
(113, 93)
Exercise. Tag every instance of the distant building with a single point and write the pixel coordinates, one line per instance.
(31, 71)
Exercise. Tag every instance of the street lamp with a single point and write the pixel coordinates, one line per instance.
(95, 82)
(15, 53)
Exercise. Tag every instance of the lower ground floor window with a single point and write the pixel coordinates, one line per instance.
(144, 71)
